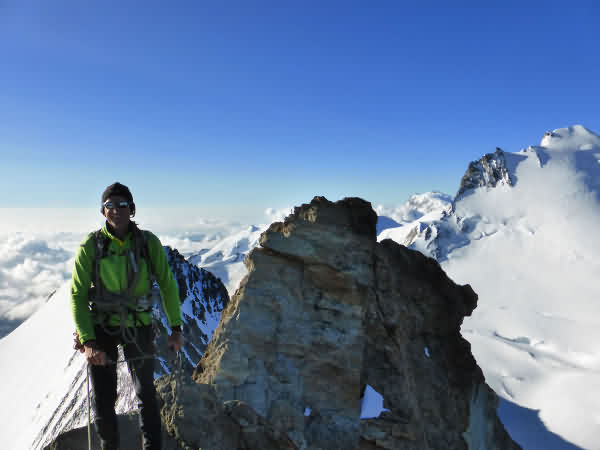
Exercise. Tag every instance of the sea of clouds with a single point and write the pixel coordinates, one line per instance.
(32, 267)
(37, 252)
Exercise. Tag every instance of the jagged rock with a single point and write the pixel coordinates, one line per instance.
(416, 358)
(195, 418)
(292, 337)
(489, 171)
(325, 310)
(203, 297)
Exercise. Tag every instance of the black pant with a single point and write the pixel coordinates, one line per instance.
(104, 385)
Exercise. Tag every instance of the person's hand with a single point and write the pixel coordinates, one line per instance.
(76, 344)
(93, 355)
(175, 341)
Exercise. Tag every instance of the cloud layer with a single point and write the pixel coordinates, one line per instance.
(35, 263)
(32, 267)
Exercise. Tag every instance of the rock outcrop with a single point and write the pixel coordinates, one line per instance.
(417, 359)
(489, 171)
(324, 311)
(195, 418)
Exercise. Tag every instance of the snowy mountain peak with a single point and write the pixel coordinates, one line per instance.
(572, 138)
(489, 171)
(417, 206)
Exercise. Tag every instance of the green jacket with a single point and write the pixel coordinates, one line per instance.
(113, 271)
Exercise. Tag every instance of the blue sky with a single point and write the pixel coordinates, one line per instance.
(266, 104)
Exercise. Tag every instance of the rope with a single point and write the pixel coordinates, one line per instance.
(178, 363)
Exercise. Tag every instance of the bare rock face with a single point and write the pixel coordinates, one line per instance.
(416, 358)
(326, 310)
(195, 418)
(490, 171)
(293, 336)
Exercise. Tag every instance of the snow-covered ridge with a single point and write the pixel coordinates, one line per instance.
(571, 139)
(226, 258)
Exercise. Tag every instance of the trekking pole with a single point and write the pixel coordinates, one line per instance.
(89, 429)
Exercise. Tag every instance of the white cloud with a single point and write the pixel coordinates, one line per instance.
(32, 266)
(278, 214)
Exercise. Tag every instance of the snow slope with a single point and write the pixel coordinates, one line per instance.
(530, 251)
(38, 369)
(225, 259)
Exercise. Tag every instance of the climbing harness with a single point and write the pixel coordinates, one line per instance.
(104, 304)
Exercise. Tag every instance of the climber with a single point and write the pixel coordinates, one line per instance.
(111, 303)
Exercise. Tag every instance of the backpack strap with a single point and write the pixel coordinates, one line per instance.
(140, 245)
(145, 252)
(102, 244)
(133, 267)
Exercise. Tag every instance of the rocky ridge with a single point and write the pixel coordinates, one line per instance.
(489, 171)
(203, 297)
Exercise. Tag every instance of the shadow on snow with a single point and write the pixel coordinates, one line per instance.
(526, 428)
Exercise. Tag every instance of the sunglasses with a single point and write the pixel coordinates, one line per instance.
(113, 205)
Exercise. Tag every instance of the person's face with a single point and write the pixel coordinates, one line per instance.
(118, 215)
